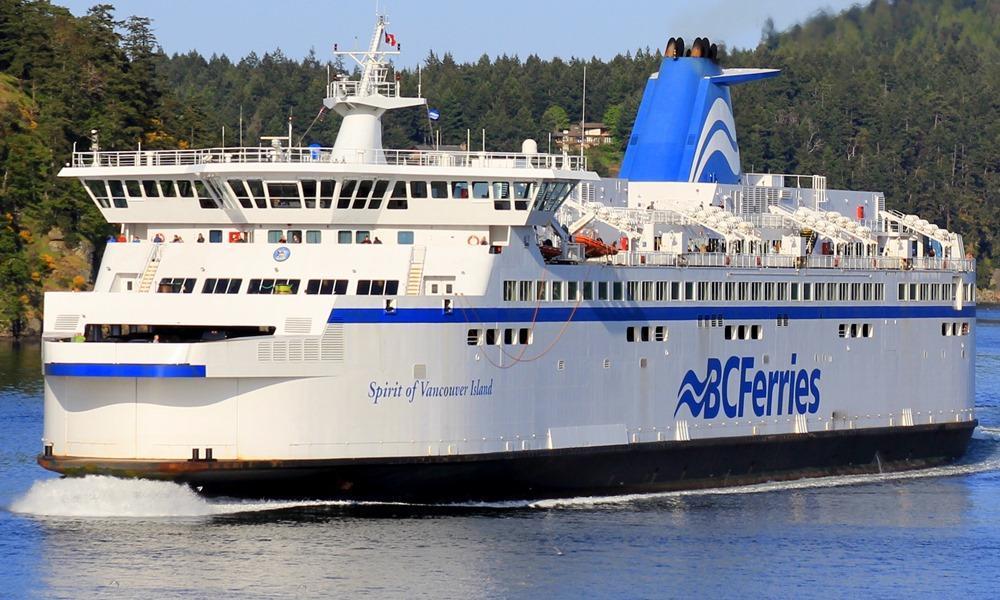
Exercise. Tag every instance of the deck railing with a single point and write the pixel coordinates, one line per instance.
(782, 261)
(258, 155)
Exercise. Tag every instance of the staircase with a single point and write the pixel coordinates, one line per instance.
(149, 273)
(416, 274)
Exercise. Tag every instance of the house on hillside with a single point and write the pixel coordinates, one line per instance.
(593, 134)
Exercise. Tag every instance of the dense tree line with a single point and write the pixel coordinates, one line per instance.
(896, 96)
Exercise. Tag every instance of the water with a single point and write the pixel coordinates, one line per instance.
(932, 533)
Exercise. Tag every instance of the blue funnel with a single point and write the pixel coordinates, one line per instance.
(684, 130)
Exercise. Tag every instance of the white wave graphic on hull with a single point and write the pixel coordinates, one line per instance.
(721, 141)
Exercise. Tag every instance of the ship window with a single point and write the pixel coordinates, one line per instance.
(215, 236)
(378, 194)
(284, 194)
(867, 330)
(588, 290)
(769, 291)
(273, 286)
(256, 187)
(239, 190)
(326, 189)
(631, 291)
(675, 290)
(346, 192)
(524, 336)
(314, 236)
(418, 189)
(795, 291)
(205, 199)
(573, 290)
(509, 290)
(644, 333)
(660, 333)
(397, 200)
(362, 237)
(439, 189)
(508, 336)
(501, 195)
(602, 290)
(730, 291)
(806, 290)
(344, 237)
(133, 189)
(364, 190)
(523, 191)
(404, 237)
(149, 187)
(99, 191)
(901, 292)
(176, 285)
(480, 190)
(221, 286)
(617, 290)
(492, 337)
(688, 290)
(275, 236)
(702, 290)
(925, 291)
(540, 289)
(117, 194)
(914, 294)
(378, 287)
(880, 292)
(755, 288)
(309, 192)
(294, 236)
(167, 186)
(557, 288)
(364, 287)
(472, 337)
(459, 189)
(185, 189)
(524, 291)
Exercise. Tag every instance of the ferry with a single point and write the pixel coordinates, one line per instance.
(359, 322)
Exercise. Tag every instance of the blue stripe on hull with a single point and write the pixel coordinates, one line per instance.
(122, 370)
(640, 313)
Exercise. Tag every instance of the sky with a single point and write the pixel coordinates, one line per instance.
(466, 29)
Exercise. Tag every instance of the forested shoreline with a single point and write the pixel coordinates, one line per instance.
(900, 97)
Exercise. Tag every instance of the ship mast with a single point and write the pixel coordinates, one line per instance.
(362, 102)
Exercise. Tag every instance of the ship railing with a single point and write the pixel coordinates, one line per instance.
(784, 261)
(348, 88)
(262, 154)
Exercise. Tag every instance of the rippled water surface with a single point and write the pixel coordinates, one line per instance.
(933, 533)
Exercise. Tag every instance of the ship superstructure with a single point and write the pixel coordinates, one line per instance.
(356, 321)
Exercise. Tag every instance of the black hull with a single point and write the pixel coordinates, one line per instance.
(639, 468)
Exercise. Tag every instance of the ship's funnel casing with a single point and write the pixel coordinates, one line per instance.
(684, 130)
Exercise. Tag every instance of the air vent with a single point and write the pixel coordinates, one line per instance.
(300, 325)
(332, 342)
(67, 322)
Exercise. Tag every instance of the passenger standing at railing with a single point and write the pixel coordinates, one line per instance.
(158, 238)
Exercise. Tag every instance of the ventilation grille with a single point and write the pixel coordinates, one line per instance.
(333, 342)
(301, 325)
(67, 322)
(329, 347)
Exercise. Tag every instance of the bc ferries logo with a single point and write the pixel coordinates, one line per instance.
(282, 254)
(736, 386)
(718, 138)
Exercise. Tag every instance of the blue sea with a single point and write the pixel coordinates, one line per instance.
(926, 534)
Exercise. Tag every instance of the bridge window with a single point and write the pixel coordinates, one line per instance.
(377, 287)
(346, 193)
(397, 200)
(364, 191)
(439, 189)
(326, 287)
(185, 189)
(326, 190)
(256, 187)
(273, 286)
(168, 188)
(99, 191)
(205, 199)
(148, 186)
(459, 189)
(133, 189)
(309, 192)
(381, 186)
(241, 193)
(501, 195)
(523, 191)
(117, 194)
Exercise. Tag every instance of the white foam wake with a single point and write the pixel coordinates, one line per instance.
(100, 496)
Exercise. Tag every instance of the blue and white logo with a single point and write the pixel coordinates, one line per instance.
(789, 392)
(282, 253)
(433, 114)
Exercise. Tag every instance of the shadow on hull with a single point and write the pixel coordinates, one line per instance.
(537, 474)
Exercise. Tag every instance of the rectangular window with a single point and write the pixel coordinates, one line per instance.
(675, 290)
(275, 236)
(617, 290)
(397, 199)
(480, 190)
(795, 291)
(492, 337)
(439, 189)
(662, 291)
(588, 290)
(381, 186)
(117, 194)
(660, 333)
(362, 237)
(602, 290)
(134, 190)
(309, 192)
(364, 287)
(688, 290)
(147, 186)
(472, 337)
(730, 291)
(702, 290)
(314, 236)
(346, 193)
(508, 336)
(524, 291)
(755, 291)
(418, 189)
(501, 195)
(540, 289)
(167, 185)
(215, 236)
(509, 291)
(523, 191)
(364, 190)
(557, 289)
(632, 291)
(404, 238)
(769, 291)
(572, 290)
(630, 334)
(459, 189)
(176, 285)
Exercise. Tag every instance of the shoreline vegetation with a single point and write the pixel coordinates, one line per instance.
(899, 97)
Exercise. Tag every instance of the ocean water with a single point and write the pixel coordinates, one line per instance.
(931, 534)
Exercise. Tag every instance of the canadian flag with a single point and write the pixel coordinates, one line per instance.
(390, 38)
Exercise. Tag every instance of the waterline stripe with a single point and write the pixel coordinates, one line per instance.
(462, 314)
(122, 370)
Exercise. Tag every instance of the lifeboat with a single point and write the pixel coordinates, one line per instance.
(594, 247)
(549, 252)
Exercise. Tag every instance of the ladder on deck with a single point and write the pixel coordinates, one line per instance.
(149, 273)
(416, 275)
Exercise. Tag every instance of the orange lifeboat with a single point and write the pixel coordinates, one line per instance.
(594, 247)
(549, 252)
